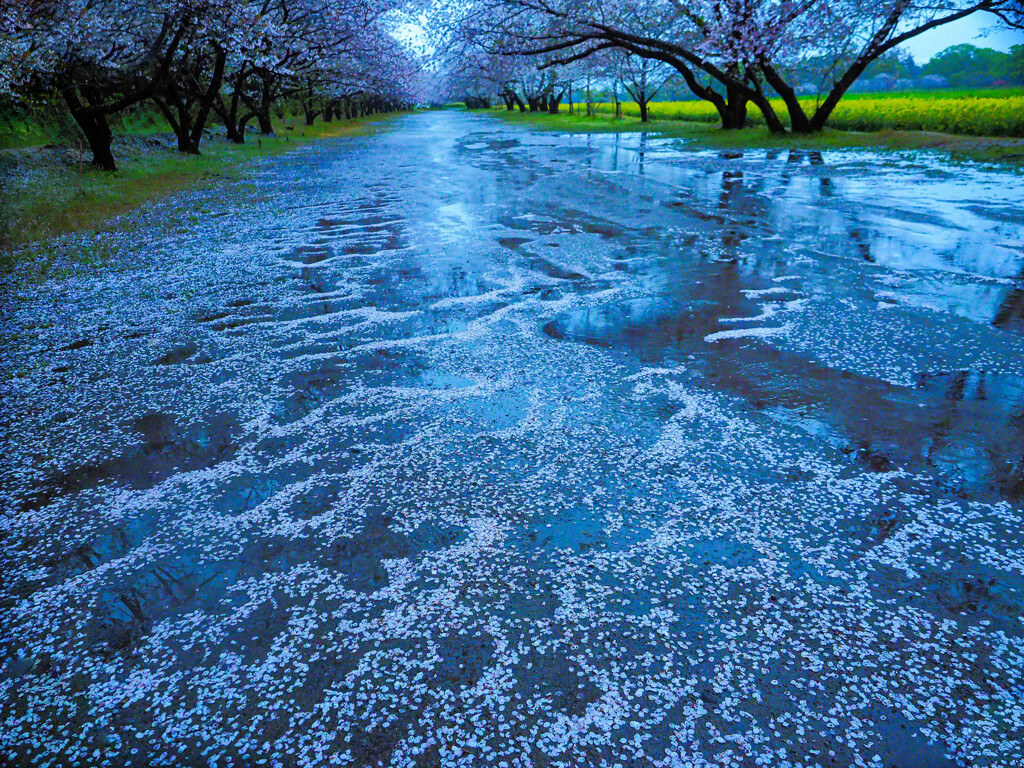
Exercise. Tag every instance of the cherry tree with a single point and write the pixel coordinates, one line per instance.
(298, 48)
(730, 52)
(642, 78)
(101, 56)
(481, 56)
(374, 73)
(187, 94)
(194, 58)
(17, 54)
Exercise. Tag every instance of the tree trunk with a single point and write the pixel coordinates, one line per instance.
(97, 133)
(263, 111)
(734, 109)
(178, 118)
(798, 121)
(771, 118)
(183, 132)
(875, 48)
(644, 117)
(228, 113)
(206, 101)
(824, 110)
(188, 110)
(264, 121)
(94, 126)
(732, 112)
(92, 118)
(553, 104)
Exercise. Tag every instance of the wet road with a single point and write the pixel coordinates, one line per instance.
(464, 445)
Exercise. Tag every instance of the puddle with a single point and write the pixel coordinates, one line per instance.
(177, 355)
(167, 449)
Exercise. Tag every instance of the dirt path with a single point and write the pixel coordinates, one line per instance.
(465, 445)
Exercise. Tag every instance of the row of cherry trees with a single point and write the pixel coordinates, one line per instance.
(736, 54)
(536, 84)
(196, 59)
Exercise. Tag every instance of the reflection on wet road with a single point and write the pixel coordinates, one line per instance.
(464, 445)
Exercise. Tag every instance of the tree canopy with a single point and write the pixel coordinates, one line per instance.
(736, 54)
(191, 58)
(232, 60)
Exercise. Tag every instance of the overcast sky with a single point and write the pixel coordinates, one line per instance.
(978, 30)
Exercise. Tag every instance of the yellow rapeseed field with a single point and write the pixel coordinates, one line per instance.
(947, 113)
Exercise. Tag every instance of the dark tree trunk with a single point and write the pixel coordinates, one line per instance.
(263, 112)
(771, 117)
(798, 121)
(228, 113)
(734, 109)
(91, 115)
(553, 104)
(644, 117)
(207, 100)
(824, 110)
(875, 48)
(264, 121)
(97, 133)
(94, 126)
(183, 134)
(186, 107)
(178, 113)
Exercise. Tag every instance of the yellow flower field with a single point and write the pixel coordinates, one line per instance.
(988, 115)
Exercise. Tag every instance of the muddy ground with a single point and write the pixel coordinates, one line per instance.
(465, 445)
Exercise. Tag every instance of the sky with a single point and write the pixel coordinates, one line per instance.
(979, 29)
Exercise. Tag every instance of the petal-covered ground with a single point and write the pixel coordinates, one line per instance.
(465, 445)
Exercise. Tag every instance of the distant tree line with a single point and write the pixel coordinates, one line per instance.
(959, 66)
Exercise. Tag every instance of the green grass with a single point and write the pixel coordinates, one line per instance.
(704, 135)
(41, 124)
(46, 193)
(16, 133)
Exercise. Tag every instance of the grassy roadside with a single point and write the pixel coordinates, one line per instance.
(50, 191)
(700, 135)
